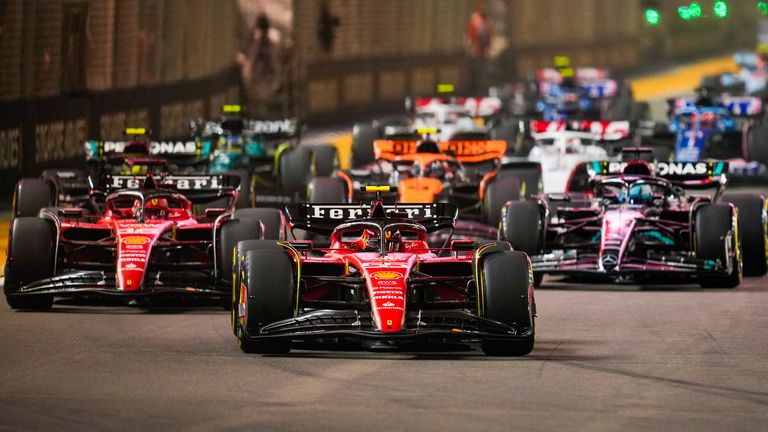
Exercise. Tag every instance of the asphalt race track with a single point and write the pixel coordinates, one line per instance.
(608, 357)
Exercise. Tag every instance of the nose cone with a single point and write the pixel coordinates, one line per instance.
(132, 254)
(386, 289)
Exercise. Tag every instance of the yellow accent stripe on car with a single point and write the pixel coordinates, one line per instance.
(479, 281)
(280, 149)
(298, 273)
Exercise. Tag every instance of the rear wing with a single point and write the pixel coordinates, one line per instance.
(739, 106)
(484, 106)
(685, 174)
(324, 218)
(465, 151)
(105, 150)
(197, 188)
(273, 129)
(582, 74)
(594, 81)
(601, 130)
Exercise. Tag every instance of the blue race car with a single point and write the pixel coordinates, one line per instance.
(720, 127)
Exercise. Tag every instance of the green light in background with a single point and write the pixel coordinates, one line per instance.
(720, 8)
(684, 12)
(695, 10)
(652, 16)
(762, 8)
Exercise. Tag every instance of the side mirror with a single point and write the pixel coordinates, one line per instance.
(463, 245)
(301, 245)
(213, 213)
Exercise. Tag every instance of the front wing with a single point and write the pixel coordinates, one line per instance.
(590, 264)
(425, 325)
(100, 283)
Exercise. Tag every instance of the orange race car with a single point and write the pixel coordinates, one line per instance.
(467, 170)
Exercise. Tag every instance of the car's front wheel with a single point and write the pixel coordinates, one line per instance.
(507, 297)
(30, 258)
(267, 296)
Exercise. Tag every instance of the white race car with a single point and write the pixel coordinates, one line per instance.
(560, 146)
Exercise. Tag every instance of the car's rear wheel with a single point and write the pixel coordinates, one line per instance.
(271, 218)
(714, 222)
(757, 150)
(295, 169)
(327, 190)
(530, 178)
(497, 193)
(325, 160)
(753, 230)
(508, 298)
(232, 232)
(269, 289)
(31, 255)
(521, 227)
(363, 136)
(31, 195)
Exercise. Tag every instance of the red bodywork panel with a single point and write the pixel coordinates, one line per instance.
(386, 276)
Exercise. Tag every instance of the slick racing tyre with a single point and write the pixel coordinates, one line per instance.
(269, 285)
(31, 195)
(272, 219)
(757, 144)
(530, 178)
(363, 136)
(326, 190)
(325, 160)
(295, 166)
(238, 265)
(231, 233)
(497, 193)
(508, 130)
(31, 255)
(508, 299)
(713, 224)
(521, 226)
(752, 227)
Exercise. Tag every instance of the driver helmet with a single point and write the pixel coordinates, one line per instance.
(156, 207)
(704, 96)
(640, 194)
(394, 241)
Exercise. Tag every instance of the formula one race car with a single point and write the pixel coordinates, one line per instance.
(146, 244)
(639, 223)
(560, 146)
(380, 282)
(466, 171)
(265, 154)
(136, 155)
(720, 127)
(573, 94)
(449, 115)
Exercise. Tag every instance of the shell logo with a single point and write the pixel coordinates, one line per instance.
(135, 240)
(386, 275)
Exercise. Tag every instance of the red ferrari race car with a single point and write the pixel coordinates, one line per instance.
(379, 281)
(146, 243)
(136, 155)
(645, 221)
